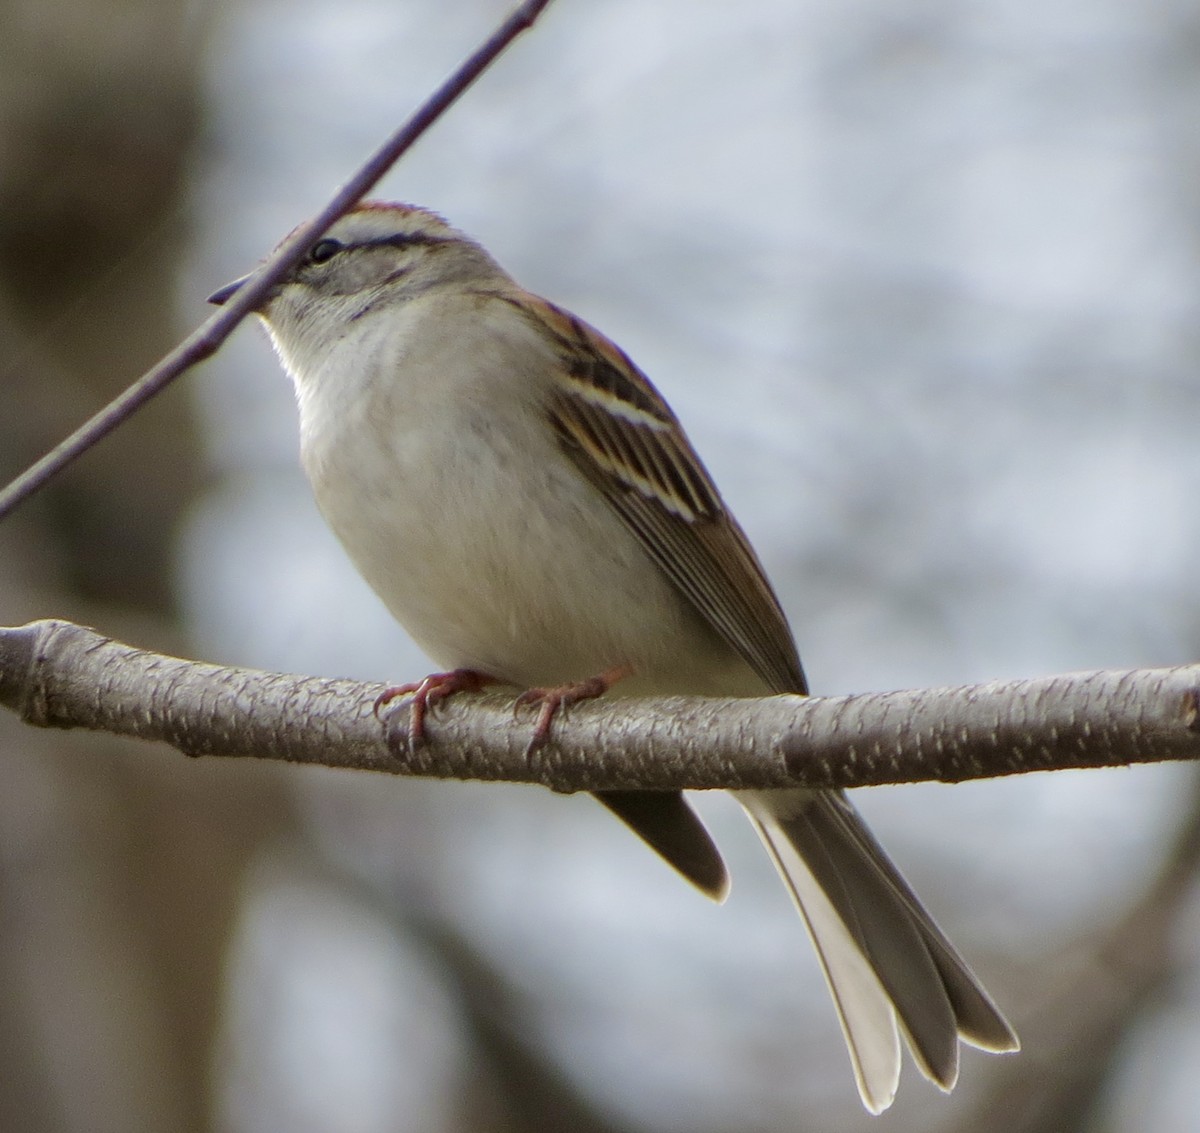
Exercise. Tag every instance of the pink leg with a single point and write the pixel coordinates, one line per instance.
(551, 700)
(435, 687)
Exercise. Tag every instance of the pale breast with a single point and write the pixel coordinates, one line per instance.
(450, 493)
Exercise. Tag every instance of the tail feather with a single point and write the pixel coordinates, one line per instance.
(863, 1006)
(665, 821)
(884, 958)
(978, 1019)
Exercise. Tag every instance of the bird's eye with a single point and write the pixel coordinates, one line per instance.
(324, 250)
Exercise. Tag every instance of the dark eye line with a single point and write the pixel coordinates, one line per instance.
(326, 248)
(402, 240)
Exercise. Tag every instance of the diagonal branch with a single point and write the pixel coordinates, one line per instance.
(205, 340)
(57, 674)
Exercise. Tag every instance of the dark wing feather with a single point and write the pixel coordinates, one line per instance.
(626, 441)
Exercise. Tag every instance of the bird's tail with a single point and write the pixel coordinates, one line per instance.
(884, 958)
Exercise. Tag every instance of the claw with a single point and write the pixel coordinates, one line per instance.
(427, 692)
(550, 701)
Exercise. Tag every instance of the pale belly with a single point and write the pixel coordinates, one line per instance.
(532, 579)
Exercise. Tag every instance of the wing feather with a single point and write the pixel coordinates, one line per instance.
(624, 438)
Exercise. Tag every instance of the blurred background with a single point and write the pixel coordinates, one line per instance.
(922, 282)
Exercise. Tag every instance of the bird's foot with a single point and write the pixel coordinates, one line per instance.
(427, 692)
(549, 701)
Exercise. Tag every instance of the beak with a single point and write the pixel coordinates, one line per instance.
(223, 294)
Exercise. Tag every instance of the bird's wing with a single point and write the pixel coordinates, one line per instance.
(624, 438)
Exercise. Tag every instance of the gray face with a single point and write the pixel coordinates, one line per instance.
(375, 255)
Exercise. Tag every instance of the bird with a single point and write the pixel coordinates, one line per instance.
(530, 509)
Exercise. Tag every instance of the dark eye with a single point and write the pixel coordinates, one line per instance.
(324, 250)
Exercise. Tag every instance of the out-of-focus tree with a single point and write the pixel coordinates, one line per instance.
(118, 877)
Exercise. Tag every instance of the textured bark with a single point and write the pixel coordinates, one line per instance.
(56, 674)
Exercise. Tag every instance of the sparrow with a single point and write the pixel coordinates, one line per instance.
(529, 508)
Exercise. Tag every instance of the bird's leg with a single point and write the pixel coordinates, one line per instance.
(550, 700)
(435, 687)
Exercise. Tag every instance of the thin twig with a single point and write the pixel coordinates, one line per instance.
(205, 340)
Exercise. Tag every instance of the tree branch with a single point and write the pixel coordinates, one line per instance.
(61, 675)
(206, 338)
